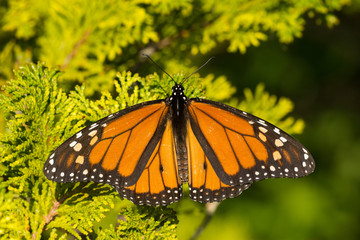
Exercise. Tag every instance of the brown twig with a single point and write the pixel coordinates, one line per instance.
(52, 213)
(71, 55)
(210, 210)
(151, 49)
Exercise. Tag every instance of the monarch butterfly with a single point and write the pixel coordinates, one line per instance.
(147, 151)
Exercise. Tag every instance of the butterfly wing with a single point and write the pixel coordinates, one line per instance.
(204, 184)
(159, 183)
(117, 150)
(242, 148)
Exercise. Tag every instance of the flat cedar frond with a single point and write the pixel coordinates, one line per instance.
(136, 223)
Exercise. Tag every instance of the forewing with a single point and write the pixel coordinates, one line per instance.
(114, 150)
(243, 148)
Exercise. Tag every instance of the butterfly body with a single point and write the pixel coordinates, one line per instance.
(147, 151)
(178, 115)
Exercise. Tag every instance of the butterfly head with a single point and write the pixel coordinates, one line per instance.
(178, 89)
(178, 92)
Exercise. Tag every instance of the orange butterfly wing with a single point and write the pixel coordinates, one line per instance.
(159, 183)
(116, 150)
(242, 148)
(204, 184)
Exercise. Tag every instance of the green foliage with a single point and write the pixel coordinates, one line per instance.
(135, 223)
(269, 107)
(81, 206)
(40, 116)
(94, 40)
(14, 217)
(30, 103)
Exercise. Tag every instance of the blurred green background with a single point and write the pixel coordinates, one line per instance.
(319, 71)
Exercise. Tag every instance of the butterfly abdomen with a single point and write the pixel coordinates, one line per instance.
(183, 166)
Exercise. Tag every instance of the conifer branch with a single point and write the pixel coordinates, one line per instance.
(48, 218)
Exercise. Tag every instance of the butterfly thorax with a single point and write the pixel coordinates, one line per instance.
(178, 102)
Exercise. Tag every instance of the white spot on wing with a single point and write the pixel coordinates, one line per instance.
(79, 134)
(262, 122)
(278, 143)
(276, 155)
(78, 147)
(264, 130)
(92, 133)
(276, 130)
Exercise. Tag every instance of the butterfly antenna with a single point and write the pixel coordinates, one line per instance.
(158, 66)
(197, 69)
